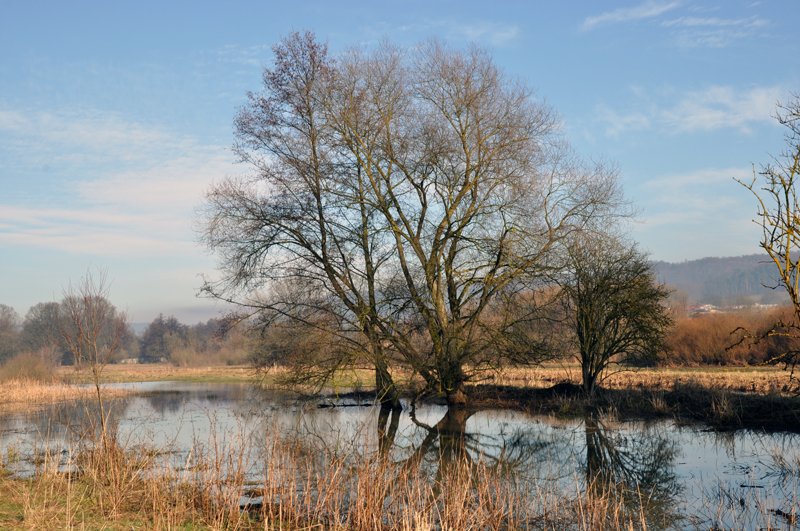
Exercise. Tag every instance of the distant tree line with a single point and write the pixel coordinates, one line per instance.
(164, 339)
(167, 339)
(43, 329)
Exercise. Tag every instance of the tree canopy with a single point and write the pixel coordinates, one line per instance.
(395, 195)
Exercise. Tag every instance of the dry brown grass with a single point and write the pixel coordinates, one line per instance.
(19, 395)
(760, 380)
(158, 372)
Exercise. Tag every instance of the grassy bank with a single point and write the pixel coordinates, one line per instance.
(760, 380)
(689, 402)
(161, 372)
(21, 395)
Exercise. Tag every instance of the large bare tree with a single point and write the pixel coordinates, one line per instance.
(294, 244)
(409, 188)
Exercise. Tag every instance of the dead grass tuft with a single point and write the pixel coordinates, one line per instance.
(18, 395)
(758, 380)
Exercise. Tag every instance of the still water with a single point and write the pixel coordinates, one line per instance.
(711, 480)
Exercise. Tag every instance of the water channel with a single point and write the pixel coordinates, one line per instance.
(701, 478)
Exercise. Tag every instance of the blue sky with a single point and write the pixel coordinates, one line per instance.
(115, 117)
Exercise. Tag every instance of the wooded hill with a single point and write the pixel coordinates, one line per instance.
(727, 280)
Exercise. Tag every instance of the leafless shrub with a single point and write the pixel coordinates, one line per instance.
(38, 366)
(710, 339)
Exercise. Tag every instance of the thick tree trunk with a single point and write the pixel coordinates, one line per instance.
(452, 438)
(456, 397)
(451, 372)
(388, 422)
(589, 381)
(385, 387)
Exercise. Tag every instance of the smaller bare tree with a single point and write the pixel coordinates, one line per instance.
(779, 218)
(615, 308)
(92, 330)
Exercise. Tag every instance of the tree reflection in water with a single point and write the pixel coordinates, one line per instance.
(387, 429)
(462, 468)
(483, 456)
(637, 470)
(448, 444)
(632, 471)
(482, 466)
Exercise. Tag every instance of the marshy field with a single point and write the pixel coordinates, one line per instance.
(210, 448)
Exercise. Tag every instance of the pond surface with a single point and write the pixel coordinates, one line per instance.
(711, 480)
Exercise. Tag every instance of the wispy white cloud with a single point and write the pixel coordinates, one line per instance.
(716, 22)
(494, 33)
(648, 9)
(703, 9)
(486, 31)
(93, 231)
(707, 110)
(103, 244)
(710, 39)
(617, 123)
(99, 231)
(723, 107)
(136, 193)
(11, 120)
(79, 136)
(176, 183)
(698, 178)
(713, 32)
(686, 31)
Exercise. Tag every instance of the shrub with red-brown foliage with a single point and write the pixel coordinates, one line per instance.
(709, 339)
